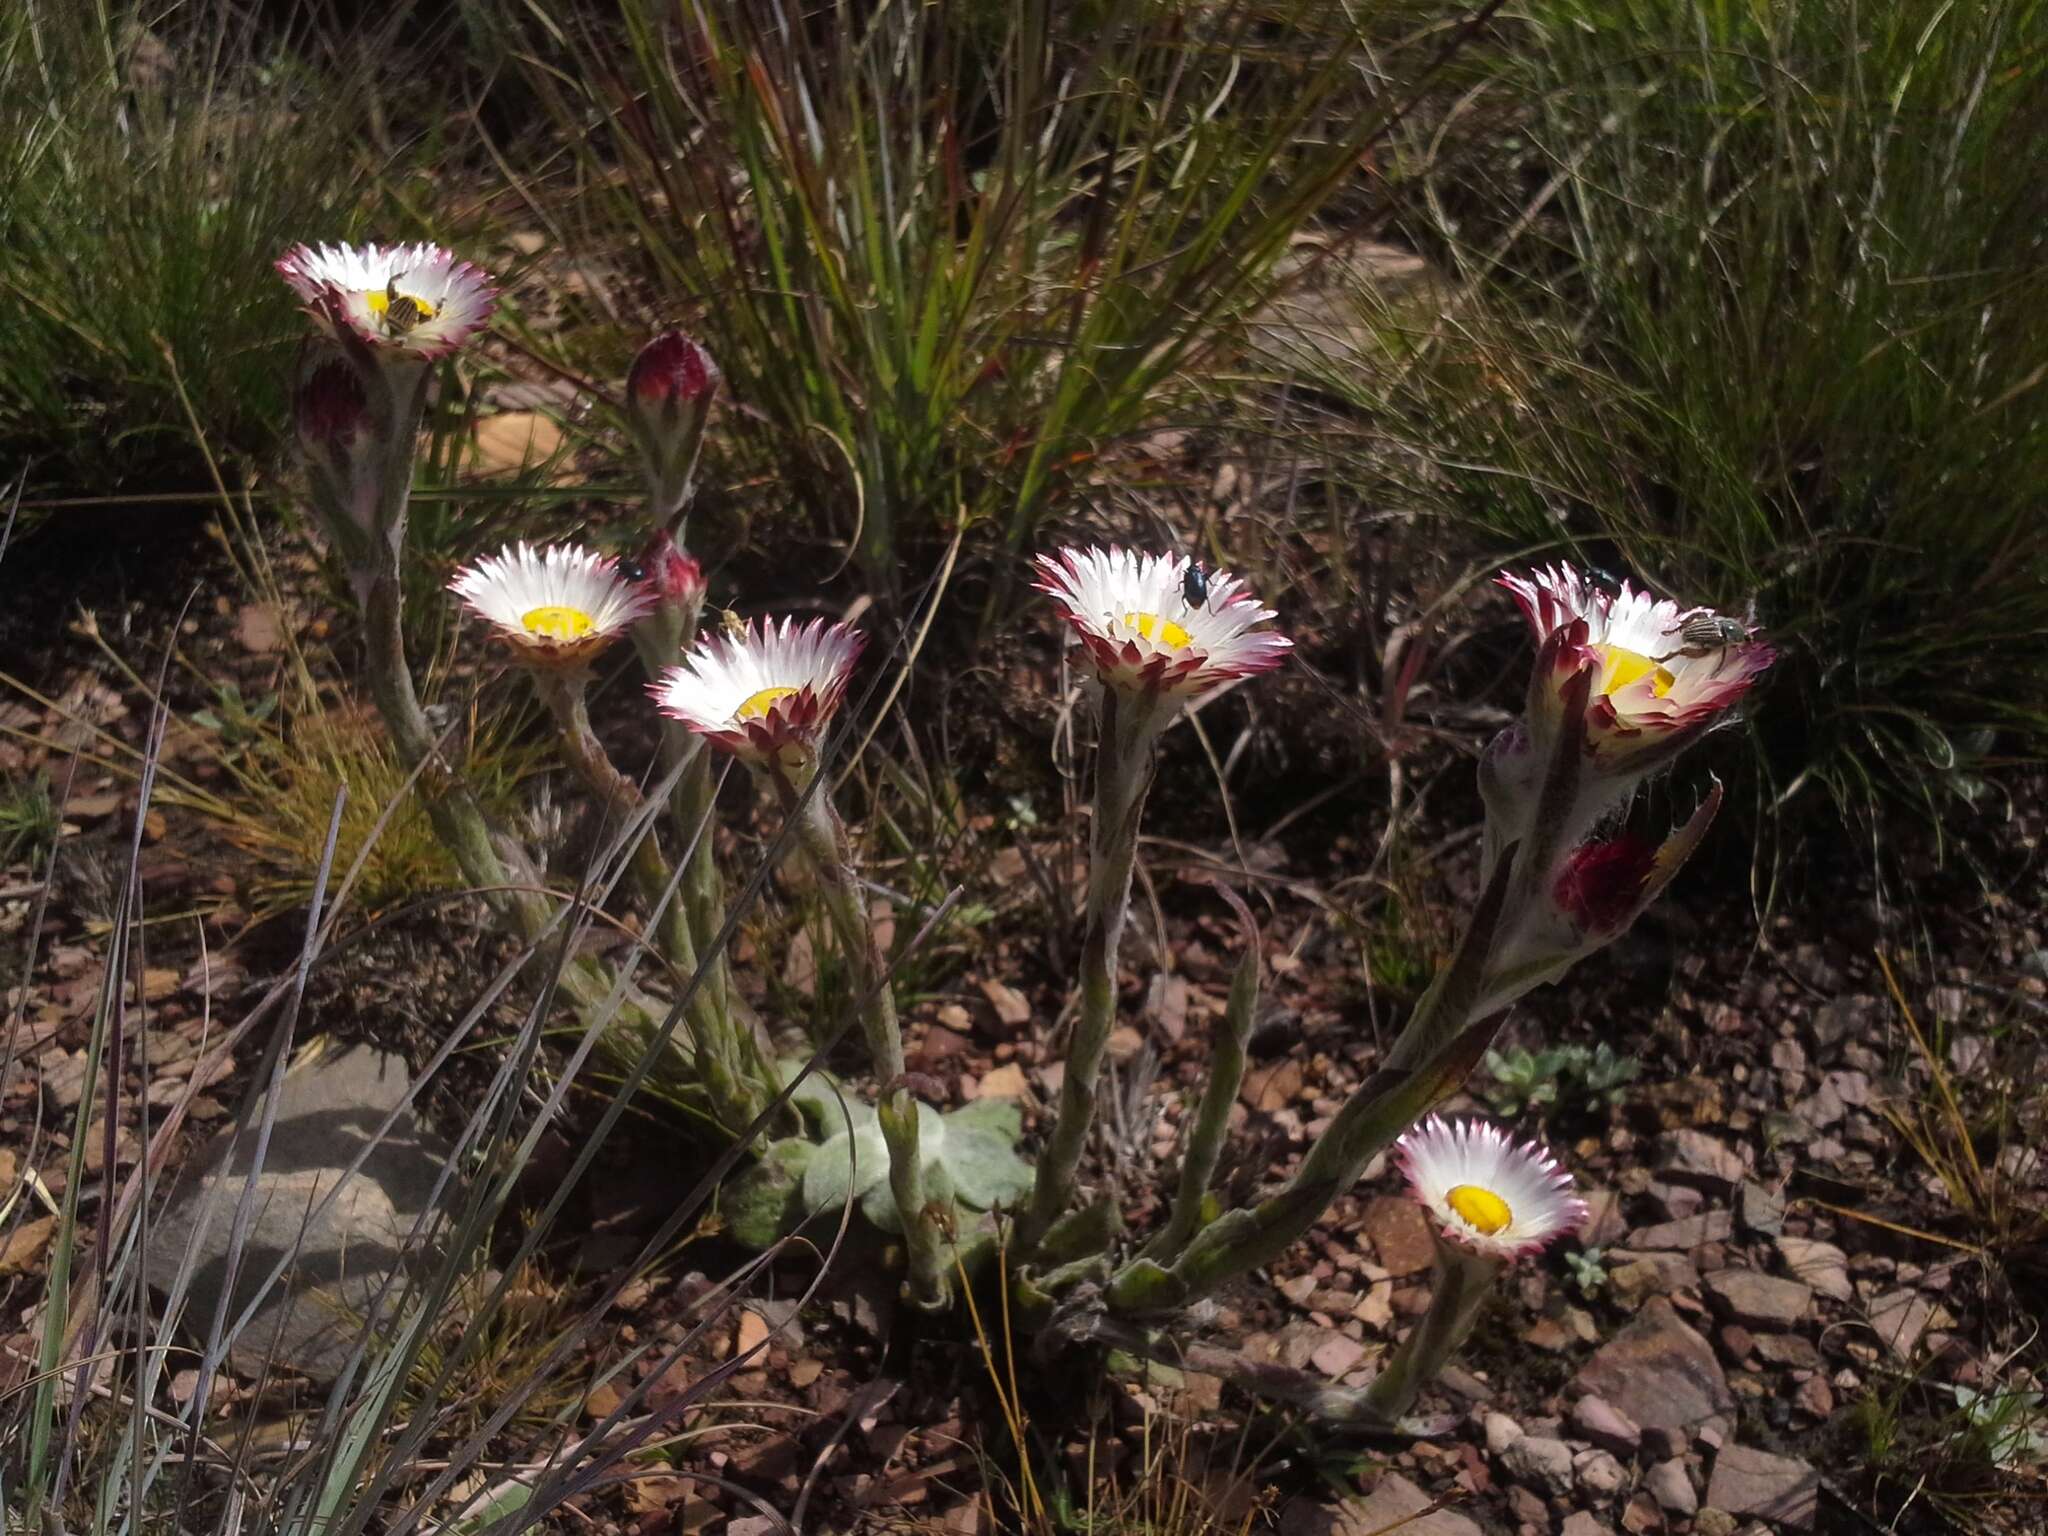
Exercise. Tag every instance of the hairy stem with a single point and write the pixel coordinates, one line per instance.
(1463, 1282)
(824, 840)
(1443, 1040)
(1123, 773)
(1212, 1117)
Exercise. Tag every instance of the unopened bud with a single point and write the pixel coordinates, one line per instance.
(332, 412)
(676, 578)
(1602, 884)
(344, 445)
(668, 397)
(672, 367)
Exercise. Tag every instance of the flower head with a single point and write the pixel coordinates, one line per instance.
(1489, 1195)
(765, 692)
(558, 607)
(1660, 674)
(1157, 624)
(415, 300)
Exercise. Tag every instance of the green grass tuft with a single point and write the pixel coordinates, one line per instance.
(149, 175)
(1752, 301)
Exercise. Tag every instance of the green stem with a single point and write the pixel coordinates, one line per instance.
(1212, 1118)
(1463, 1282)
(661, 638)
(620, 802)
(458, 820)
(825, 842)
(1443, 1039)
(731, 1073)
(1123, 773)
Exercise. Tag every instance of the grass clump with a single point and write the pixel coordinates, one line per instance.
(153, 163)
(949, 255)
(1759, 304)
(29, 820)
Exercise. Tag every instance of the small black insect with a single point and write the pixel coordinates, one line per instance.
(632, 568)
(1604, 579)
(1194, 585)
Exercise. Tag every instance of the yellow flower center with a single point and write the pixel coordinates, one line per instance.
(1624, 667)
(1159, 631)
(557, 622)
(379, 300)
(1485, 1210)
(757, 705)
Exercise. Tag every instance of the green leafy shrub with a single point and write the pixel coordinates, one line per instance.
(1558, 1077)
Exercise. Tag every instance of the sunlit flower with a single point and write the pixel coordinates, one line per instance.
(1489, 1195)
(418, 300)
(765, 692)
(1150, 628)
(1660, 674)
(558, 607)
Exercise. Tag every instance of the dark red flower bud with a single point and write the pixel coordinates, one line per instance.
(668, 398)
(672, 367)
(669, 573)
(1602, 883)
(331, 411)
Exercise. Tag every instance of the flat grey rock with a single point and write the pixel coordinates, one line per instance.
(329, 1107)
(1659, 1372)
(1820, 1265)
(1778, 1488)
(1394, 1504)
(1758, 1301)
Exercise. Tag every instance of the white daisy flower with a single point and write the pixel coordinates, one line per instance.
(558, 607)
(1661, 674)
(1490, 1195)
(416, 299)
(763, 690)
(1157, 624)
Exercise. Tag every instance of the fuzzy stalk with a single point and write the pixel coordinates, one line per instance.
(1123, 774)
(505, 879)
(1445, 1041)
(660, 639)
(825, 843)
(400, 394)
(1212, 1116)
(619, 801)
(1463, 1281)
(731, 1073)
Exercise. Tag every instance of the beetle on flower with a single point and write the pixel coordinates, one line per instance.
(1656, 685)
(420, 300)
(1132, 612)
